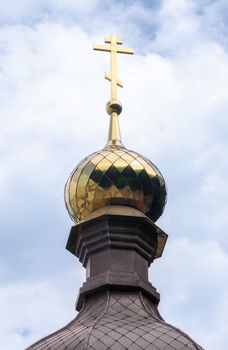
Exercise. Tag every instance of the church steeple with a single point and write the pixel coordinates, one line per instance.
(115, 196)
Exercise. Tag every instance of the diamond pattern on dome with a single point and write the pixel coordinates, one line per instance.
(115, 176)
(115, 321)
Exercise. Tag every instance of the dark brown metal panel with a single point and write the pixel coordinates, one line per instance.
(115, 321)
(117, 304)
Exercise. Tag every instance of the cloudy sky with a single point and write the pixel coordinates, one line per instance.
(52, 114)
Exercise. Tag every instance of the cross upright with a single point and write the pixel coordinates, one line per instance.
(113, 48)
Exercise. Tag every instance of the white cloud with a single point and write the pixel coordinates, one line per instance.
(27, 309)
(196, 297)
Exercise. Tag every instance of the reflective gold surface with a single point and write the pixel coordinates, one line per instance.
(115, 176)
(113, 48)
(114, 106)
(114, 138)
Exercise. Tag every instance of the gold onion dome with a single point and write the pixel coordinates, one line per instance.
(115, 175)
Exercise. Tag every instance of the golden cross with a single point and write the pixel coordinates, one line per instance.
(113, 48)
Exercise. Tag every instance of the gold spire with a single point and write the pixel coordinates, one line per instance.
(115, 176)
(114, 106)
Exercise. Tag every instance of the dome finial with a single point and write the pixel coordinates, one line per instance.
(114, 106)
(115, 176)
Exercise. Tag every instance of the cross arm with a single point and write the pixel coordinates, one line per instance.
(101, 48)
(125, 50)
(109, 41)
